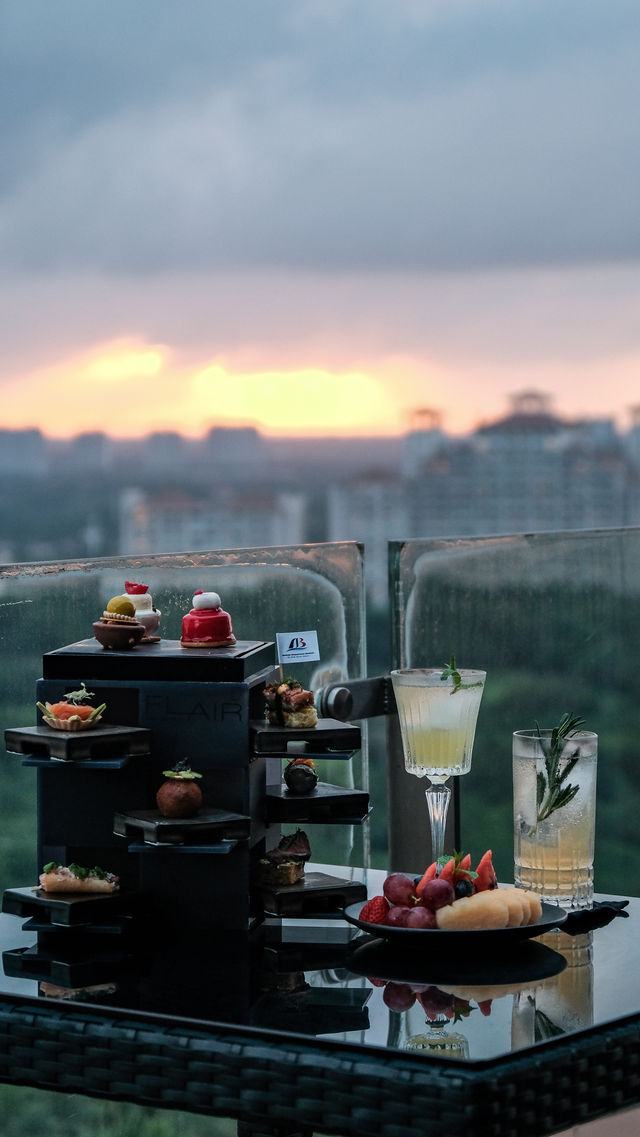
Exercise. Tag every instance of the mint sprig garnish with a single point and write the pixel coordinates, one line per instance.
(457, 857)
(552, 788)
(451, 672)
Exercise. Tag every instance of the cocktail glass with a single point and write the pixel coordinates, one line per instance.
(564, 1002)
(553, 847)
(438, 1040)
(437, 710)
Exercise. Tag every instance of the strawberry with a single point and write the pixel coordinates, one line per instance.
(375, 911)
(132, 588)
(485, 1006)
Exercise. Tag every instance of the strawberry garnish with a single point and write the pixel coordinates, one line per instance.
(132, 588)
(375, 911)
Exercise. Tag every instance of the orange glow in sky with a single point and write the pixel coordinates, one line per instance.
(128, 388)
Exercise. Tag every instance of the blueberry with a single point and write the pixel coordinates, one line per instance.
(463, 888)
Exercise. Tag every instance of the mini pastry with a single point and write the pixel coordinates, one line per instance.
(180, 796)
(118, 627)
(285, 864)
(207, 624)
(75, 878)
(300, 776)
(72, 712)
(289, 705)
(120, 610)
(145, 611)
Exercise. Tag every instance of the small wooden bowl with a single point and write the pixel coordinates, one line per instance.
(118, 637)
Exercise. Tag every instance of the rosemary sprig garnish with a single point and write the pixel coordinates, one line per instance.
(544, 1027)
(552, 790)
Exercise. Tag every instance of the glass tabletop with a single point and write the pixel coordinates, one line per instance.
(325, 979)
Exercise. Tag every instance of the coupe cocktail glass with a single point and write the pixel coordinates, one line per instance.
(437, 710)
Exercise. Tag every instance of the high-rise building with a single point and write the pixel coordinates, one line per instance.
(180, 521)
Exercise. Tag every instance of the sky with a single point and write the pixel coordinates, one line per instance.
(316, 216)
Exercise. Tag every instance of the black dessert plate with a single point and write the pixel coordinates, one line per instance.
(445, 940)
(525, 964)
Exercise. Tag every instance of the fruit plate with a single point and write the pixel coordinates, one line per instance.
(481, 938)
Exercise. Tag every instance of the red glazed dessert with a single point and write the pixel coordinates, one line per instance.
(207, 625)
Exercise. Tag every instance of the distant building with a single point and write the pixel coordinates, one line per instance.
(528, 471)
(631, 440)
(92, 451)
(424, 438)
(373, 509)
(235, 452)
(23, 452)
(234, 519)
(165, 451)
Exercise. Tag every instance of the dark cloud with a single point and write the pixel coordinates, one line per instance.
(322, 137)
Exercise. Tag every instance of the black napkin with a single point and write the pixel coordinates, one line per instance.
(601, 914)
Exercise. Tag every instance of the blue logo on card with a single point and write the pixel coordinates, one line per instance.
(297, 644)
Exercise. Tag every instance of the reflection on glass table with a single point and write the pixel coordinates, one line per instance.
(322, 978)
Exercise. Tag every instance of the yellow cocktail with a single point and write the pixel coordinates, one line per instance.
(437, 711)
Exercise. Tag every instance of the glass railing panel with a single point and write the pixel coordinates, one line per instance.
(268, 590)
(554, 619)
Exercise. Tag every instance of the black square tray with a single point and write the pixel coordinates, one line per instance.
(50, 967)
(62, 908)
(154, 829)
(316, 893)
(166, 659)
(95, 744)
(329, 739)
(326, 803)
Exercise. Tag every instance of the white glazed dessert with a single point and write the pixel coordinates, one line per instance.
(145, 611)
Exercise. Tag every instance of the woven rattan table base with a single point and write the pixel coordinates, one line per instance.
(275, 1080)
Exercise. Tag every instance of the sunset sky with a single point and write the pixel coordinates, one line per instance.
(315, 216)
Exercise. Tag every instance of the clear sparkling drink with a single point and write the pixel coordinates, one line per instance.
(554, 855)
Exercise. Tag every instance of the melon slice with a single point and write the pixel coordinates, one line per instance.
(481, 912)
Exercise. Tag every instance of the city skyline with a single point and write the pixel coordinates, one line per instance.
(419, 419)
(315, 217)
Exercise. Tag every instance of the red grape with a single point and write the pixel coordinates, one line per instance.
(436, 1002)
(398, 996)
(421, 918)
(399, 888)
(398, 915)
(436, 893)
